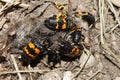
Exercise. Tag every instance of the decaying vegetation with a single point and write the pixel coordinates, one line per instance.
(100, 62)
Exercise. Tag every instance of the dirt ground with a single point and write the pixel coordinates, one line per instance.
(100, 60)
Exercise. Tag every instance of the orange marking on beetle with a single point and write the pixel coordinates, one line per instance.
(80, 13)
(77, 51)
(64, 20)
(57, 18)
(27, 52)
(31, 45)
(57, 26)
(86, 13)
(64, 26)
(37, 51)
(73, 50)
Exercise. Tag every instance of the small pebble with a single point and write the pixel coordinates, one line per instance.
(116, 2)
(68, 75)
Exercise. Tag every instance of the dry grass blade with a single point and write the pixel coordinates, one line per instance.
(117, 33)
(114, 11)
(110, 58)
(94, 74)
(4, 7)
(2, 22)
(108, 51)
(30, 71)
(114, 28)
(16, 67)
(31, 78)
(101, 14)
(101, 59)
(99, 70)
(79, 71)
(24, 71)
(11, 3)
(17, 3)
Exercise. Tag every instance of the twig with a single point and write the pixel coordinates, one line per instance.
(2, 22)
(9, 4)
(114, 28)
(29, 71)
(24, 71)
(101, 13)
(16, 67)
(44, 10)
(94, 74)
(109, 52)
(29, 67)
(118, 34)
(111, 60)
(114, 12)
(4, 6)
(16, 3)
(99, 70)
(89, 54)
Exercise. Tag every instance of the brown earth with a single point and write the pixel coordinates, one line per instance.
(100, 60)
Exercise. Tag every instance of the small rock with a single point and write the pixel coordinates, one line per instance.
(116, 2)
(68, 75)
(90, 62)
(51, 76)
